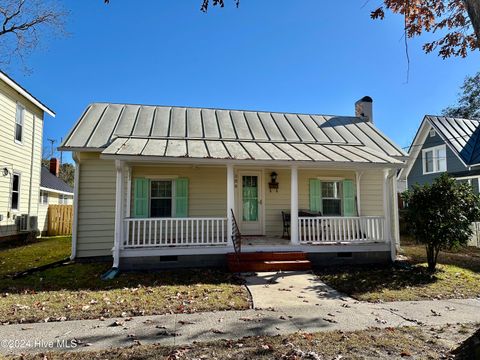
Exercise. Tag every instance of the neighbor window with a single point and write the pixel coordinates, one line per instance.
(62, 199)
(331, 199)
(435, 159)
(43, 197)
(19, 118)
(15, 192)
(161, 198)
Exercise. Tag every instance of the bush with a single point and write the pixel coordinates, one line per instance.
(440, 215)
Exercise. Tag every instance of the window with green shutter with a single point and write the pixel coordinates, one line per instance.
(315, 195)
(140, 194)
(181, 197)
(348, 198)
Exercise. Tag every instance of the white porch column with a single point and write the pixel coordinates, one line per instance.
(119, 197)
(386, 211)
(358, 177)
(230, 202)
(294, 239)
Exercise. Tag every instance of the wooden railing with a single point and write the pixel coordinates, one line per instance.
(165, 232)
(321, 230)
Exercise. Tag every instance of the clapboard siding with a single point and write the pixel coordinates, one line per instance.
(18, 157)
(96, 208)
(371, 193)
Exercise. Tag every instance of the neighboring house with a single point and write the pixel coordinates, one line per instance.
(444, 144)
(161, 186)
(53, 191)
(21, 131)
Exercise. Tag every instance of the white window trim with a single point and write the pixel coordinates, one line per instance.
(174, 194)
(338, 193)
(41, 197)
(435, 169)
(19, 192)
(19, 142)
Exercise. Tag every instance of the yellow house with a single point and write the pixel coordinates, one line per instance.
(161, 186)
(21, 131)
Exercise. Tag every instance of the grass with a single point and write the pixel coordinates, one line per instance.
(406, 342)
(42, 252)
(457, 276)
(75, 291)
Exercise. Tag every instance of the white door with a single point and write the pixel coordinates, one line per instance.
(251, 204)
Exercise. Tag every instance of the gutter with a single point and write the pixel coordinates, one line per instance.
(76, 158)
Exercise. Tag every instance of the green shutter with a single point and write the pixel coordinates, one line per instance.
(140, 197)
(181, 197)
(315, 195)
(348, 198)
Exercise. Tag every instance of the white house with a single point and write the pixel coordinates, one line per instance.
(21, 131)
(160, 186)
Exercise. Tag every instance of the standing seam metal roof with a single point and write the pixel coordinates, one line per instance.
(462, 135)
(228, 134)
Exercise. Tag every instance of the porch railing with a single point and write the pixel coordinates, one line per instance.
(165, 232)
(321, 230)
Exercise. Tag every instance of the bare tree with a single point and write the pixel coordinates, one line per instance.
(24, 23)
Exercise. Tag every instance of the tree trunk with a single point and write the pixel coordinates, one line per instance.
(473, 10)
(431, 258)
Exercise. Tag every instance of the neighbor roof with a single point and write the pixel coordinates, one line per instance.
(51, 182)
(22, 91)
(461, 134)
(162, 131)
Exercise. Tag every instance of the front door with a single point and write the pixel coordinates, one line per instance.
(250, 196)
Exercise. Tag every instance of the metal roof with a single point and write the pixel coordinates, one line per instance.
(117, 129)
(50, 181)
(461, 134)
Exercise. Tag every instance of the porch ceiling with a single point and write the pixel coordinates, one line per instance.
(245, 150)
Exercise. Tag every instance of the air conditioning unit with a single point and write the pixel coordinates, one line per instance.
(23, 222)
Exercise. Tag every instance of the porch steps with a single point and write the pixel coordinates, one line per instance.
(268, 261)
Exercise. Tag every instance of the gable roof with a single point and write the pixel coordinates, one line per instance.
(460, 135)
(179, 132)
(22, 91)
(49, 181)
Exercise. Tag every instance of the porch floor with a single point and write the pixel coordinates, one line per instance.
(264, 241)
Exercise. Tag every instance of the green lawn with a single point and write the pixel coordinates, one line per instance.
(75, 291)
(390, 343)
(458, 276)
(42, 252)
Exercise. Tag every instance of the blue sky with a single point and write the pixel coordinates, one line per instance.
(305, 56)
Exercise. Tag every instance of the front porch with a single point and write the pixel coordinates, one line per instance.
(215, 195)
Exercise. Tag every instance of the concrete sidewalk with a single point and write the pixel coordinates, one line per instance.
(332, 312)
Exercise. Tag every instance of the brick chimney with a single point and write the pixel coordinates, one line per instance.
(55, 166)
(364, 108)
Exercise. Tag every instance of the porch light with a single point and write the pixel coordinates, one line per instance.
(273, 184)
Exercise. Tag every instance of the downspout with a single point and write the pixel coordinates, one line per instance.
(76, 192)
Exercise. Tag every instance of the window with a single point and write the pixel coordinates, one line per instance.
(43, 197)
(161, 198)
(432, 133)
(331, 200)
(19, 117)
(62, 199)
(15, 192)
(435, 159)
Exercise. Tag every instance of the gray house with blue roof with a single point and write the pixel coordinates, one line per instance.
(444, 144)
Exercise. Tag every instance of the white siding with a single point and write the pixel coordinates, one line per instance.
(18, 157)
